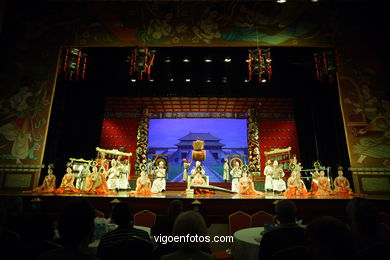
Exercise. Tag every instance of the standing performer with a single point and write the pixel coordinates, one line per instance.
(268, 176)
(81, 177)
(67, 183)
(159, 184)
(186, 165)
(236, 175)
(49, 183)
(278, 184)
(341, 184)
(226, 176)
(113, 176)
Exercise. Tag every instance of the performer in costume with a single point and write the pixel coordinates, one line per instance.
(81, 177)
(295, 185)
(236, 175)
(278, 184)
(159, 184)
(102, 161)
(123, 172)
(67, 183)
(323, 185)
(198, 180)
(226, 170)
(268, 176)
(314, 181)
(246, 185)
(194, 171)
(143, 183)
(49, 183)
(186, 165)
(341, 184)
(113, 176)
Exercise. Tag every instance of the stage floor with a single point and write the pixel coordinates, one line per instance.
(183, 195)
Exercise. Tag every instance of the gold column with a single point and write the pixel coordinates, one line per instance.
(253, 141)
(142, 140)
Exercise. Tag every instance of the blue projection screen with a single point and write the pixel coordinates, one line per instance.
(174, 137)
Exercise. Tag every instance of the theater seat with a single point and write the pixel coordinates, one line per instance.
(239, 220)
(261, 217)
(144, 218)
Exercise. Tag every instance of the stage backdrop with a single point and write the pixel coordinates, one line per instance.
(32, 37)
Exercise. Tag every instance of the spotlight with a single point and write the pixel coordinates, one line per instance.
(263, 80)
(186, 60)
(224, 79)
(167, 59)
(246, 80)
(133, 80)
(208, 80)
(188, 80)
(171, 79)
(208, 59)
(281, 1)
(151, 80)
(228, 59)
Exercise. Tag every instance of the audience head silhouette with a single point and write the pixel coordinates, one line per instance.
(363, 215)
(286, 211)
(121, 214)
(190, 223)
(76, 223)
(175, 208)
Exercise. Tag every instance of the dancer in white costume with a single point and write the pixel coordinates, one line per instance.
(226, 176)
(159, 184)
(278, 184)
(268, 170)
(113, 173)
(236, 175)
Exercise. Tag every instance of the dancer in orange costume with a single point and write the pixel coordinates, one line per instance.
(96, 182)
(198, 180)
(323, 185)
(67, 183)
(49, 183)
(314, 181)
(341, 184)
(246, 186)
(295, 185)
(143, 183)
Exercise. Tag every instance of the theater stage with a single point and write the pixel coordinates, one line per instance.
(215, 206)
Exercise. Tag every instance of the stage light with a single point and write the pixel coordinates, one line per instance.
(208, 59)
(73, 64)
(314, 1)
(224, 79)
(151, 80)
(133, 80)
(246, 80)
(141, 61)
(281, 1)
(259, 63)
(171, 79)
(208, 80)
(263, 80)
(186, 60)
(327, 64)
(167, 59)
(188, 80)
(228, 59)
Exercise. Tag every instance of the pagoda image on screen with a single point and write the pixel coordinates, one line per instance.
(214, 154)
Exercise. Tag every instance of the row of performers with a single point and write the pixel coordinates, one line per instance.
(320, 184)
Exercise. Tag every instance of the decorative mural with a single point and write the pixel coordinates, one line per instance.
(142, 140)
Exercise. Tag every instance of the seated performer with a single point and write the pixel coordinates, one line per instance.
(49, 183)
(295, 185)
(159, 184)
(268, 176)
(341, 184)
(246, 186)
(67, 184)
(195, 170)
(123, 171)
(314, 181)
(113, 176)
(236, 175)
(198, 180)
(278, 184)
(143, 183)
(186, 165)
(91, 179)
(323, 185)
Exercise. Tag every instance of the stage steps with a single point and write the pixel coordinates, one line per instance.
(182, 186)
